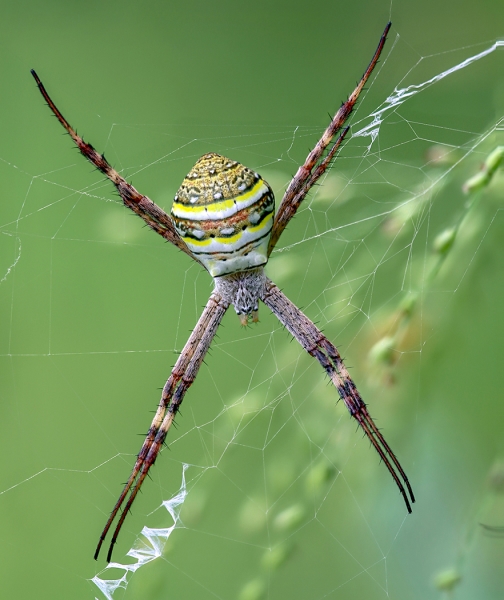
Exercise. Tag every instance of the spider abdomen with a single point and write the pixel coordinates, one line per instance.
(224, 213)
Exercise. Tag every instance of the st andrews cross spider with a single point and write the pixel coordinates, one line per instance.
(223, 217)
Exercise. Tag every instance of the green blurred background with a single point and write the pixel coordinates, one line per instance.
(286, 499)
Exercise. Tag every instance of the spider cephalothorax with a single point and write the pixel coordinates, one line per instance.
(222, 217)
(243, 290)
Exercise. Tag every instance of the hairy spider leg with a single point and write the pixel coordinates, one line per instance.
(304, 178)
(153, 215)
(318, 346)
(182, 376)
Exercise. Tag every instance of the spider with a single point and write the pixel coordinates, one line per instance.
(223, 218)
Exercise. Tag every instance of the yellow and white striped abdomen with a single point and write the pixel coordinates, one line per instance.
(224, 213)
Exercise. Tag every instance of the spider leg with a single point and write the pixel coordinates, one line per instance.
(318, 346)
(182, 376)
(153, 215)
(312, 169)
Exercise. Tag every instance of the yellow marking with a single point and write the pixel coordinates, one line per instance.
(218, 206)
(228, 240)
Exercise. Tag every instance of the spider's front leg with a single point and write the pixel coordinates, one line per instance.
(183, 374)
(318, 346)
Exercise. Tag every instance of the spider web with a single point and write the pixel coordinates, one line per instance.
(267, 489)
